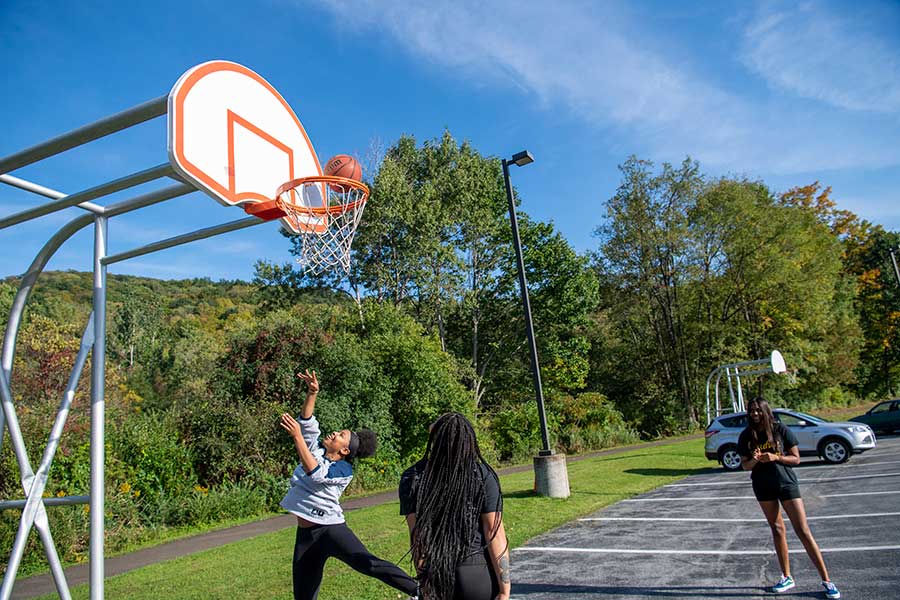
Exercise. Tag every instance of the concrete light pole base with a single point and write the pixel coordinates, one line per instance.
(550, 476)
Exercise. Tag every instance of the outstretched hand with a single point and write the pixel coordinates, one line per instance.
(290, 424)
(312, 382)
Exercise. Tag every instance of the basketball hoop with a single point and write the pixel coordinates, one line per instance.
(325, 210)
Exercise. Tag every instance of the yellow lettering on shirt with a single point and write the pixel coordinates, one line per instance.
(769, 446)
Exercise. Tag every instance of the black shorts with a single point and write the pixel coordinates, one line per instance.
(475, 579)
(767, 493)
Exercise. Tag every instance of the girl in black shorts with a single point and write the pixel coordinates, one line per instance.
(770, 450)
(453, 506)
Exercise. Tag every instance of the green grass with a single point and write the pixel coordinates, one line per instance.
(260, 567)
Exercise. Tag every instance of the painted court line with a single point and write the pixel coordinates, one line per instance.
(853, 465)
(703, 552)
(707, 520)
(695, 498)
(813, 481)
(858, 494)
(842, 466)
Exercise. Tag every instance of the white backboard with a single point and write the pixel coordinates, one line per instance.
(233, 135)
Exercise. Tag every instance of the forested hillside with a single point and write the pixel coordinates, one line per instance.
(688, 272)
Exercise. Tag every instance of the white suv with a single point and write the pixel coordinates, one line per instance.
(834, 442)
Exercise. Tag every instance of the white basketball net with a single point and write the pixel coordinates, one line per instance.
(325, 233)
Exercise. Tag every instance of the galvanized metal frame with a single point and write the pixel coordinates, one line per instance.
(733, 376)
(93, 340)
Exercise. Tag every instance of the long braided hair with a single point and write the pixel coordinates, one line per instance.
(449, 495)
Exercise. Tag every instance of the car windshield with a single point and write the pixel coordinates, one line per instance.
(807, 417)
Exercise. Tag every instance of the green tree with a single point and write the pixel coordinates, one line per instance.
(867, 258)
(135, 325)
(698, 273)
(646, 256)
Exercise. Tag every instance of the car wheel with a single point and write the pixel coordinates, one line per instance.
(835, 451)
(730, 459)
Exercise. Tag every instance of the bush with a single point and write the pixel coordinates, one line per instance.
(155, 460)
(590, 422)
(830, 397)
(377, 473)
(576, 424)
(515, 431)
(228, 501)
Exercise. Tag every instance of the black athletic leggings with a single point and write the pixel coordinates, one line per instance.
(475, 579)
(315, 545)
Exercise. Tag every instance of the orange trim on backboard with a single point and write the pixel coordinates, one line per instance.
(236, 118)
(177, 114)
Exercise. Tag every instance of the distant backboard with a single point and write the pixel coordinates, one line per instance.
(233, 136)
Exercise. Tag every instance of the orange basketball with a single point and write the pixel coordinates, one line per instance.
(344, 165)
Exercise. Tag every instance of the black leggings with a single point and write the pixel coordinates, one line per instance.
(475, 580)
(315, 545)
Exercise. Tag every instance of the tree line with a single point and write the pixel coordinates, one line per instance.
(688, 271)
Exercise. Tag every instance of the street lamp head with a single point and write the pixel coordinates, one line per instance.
(522, 158)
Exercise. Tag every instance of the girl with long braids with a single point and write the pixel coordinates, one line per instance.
(769, 449)
(453, 507)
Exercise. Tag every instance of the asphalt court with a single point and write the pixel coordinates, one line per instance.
(705, 537)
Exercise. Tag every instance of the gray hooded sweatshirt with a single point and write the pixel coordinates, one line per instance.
(315, 496)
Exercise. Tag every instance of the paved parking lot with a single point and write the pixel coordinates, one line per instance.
(705, 537)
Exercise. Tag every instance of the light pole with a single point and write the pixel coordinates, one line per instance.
(893, 259)
(551, 477)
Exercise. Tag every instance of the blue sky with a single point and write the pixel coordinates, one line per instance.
(789, 93)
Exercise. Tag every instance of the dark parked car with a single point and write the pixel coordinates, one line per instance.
(884, 416)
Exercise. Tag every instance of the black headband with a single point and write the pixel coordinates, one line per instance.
(354, 444)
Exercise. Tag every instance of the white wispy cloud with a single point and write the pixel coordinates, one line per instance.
(816, 53)
(573, 54)
(594, 61)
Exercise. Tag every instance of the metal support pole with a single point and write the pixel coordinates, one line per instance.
(40, 190)
(52, 245)
(200, 234)
(138, 114)
(89, 194)
(740, 390)
(894, 261)
(529, 325)
(98, 411)
(64, 501)
(730, 389)
(718, 399)
(33, 510)
(708, 381)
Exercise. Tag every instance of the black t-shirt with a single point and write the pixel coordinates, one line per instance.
(491, 502)
(770, 474)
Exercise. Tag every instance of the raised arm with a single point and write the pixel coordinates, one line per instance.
(498, 549)
(312, 389)
(290, 424)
